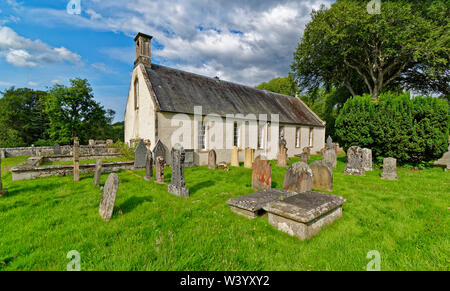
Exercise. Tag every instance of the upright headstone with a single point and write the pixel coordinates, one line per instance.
(282, 154)
(109, 197)
(212, 157)
(98, 172)
(354, 162)
(33, 150)
(2, 154)
(2, 192)
(249, 158)
(330, 157)
(298, 178)
(139, 155)
(178, 182)
(306, 154)
(367, 159)
(57, 149)
(160, 164)
(389, 169)
(329, 142)
(304, 157)
(261, 174)
(189, 158)
(148, 165)
(159, 150)
(322, 176)
(76, 160)
(235, 157)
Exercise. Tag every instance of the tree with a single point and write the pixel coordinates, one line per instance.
(72, 111)
(406, 46)
(281, 85)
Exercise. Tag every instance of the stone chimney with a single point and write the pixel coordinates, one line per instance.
(143, 49)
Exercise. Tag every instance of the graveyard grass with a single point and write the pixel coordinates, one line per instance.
(406, 221)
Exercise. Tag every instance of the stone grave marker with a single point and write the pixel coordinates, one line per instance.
(298, 178)
(189, 158)
(76, 160)
(235, 157)
(367, 159)
(148, 165)
(261, 174)
(98, 172)
(249, 157)
(282, 157)
(159, 150)
(2, 191)
(56, 149)
(322, 176)
(354, 162)
(389, 169)
(109, 197)
(223, 166)
(178, 182)
(212, 157)
(139, 155)
(160, 164)
(329, 142)
(330, 157)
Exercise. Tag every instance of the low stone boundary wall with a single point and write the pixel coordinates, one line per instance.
(50, 150)
(66, 158)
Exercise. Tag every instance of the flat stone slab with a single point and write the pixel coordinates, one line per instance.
(251, 205)
(304, 214)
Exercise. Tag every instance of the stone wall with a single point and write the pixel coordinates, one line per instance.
(49, 150)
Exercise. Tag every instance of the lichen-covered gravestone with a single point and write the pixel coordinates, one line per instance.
(2, 192)
(57, 149)
(298, 178)
(139, 155)
(389, 169)
(178, 182)
(98, 172)
(354, 162)
(261, 174)
(159, 150)
(322, 176)
(148, 166)
(212, 157)
(330, 157)
(160, 164)
(76, 160)
(109, 197)
(282, 154)
(249, 157)
(367, 159)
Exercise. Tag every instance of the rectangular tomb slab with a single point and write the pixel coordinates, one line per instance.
(251, 205)
(303, 215)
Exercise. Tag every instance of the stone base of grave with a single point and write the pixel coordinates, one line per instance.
(179, 191)
(148, 178)
(304, 215)
(354, 171)
(389, 176)
(247, 213)
(3, 193)
(160, 182)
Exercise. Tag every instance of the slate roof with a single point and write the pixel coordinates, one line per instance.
(178, 92)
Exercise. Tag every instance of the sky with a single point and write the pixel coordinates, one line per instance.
(45, 42)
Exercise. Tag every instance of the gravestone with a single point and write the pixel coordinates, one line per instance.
(389, 169)
(76, 160)
(2, 154)
(98, 172)
(160, 164)
(304, 157)
(159, 150)
(249, 158)
(139, 155)
(298, 178)
(178, 183)
(109, 197)
(223, 166)
(282, 154)
(189, 158)
(2, 191)
(261, 174)
(322, 176)
(354, 162)
(330, 157)
(148, 166)
(367, 159)
(212, 157)
(329, 142)
(57, 149)
(235, 157)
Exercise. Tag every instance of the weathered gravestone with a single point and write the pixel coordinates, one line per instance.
(57, 149)
(160, 164)
(282, 154)
(261, 174)
(304, 157)
(148, 166)
(139, 155)
(249, 158)
(189, 158)
(212, 157)
(109, 197)
(159, 150)
(178, 183)
(389, 169)
(329, 142)
(322, 176)
(235, 157)
(354, 162)
(367, 159)
(330, 157)
(2, 191)
(98, 172)
(76, 160)
(298, 178)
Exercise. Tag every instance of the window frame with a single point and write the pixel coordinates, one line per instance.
(298, 137)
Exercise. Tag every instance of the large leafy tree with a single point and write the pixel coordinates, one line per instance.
(282, 85)
(405, 46)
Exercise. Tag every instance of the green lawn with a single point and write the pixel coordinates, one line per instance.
(407, 221)
(85, 162)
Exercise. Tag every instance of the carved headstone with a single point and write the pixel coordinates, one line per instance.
(322, 176)
(212, 157)
(282, 155)
(178, 182)
(57, 149)
(76, 160)
(235, 157)
(148, 165)
(109, 197)
(189, 158)
(139, 155)
(249, 158)
(330, 157)
(354, 162)
(98, 172)
(261, 174)
(389, 169)
(329, 142)
(367, 159)
(159, 150)
(2, 192)
(304, 157)
(160, 164)
(298, 178)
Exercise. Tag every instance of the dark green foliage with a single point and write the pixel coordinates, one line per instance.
(282, 85)
(412, 130)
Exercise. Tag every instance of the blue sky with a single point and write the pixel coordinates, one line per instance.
(41, 43)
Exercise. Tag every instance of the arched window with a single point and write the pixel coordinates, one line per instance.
(136, 94)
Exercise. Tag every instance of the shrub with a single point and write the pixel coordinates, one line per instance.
(124, 149)
(412, 130)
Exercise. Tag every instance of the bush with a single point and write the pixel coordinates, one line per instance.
(412, 130)
(124, 149)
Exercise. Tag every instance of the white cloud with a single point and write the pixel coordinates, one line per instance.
(6, 84)
(23, 52)
(32, 84)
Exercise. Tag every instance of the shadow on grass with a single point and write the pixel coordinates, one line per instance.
(133, 202)
(342, 159)
(201, 185)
